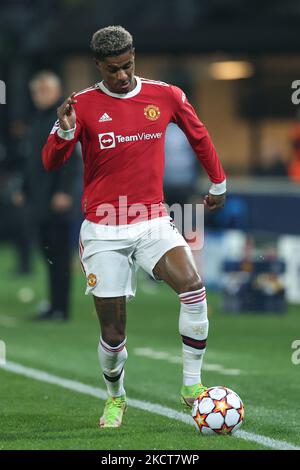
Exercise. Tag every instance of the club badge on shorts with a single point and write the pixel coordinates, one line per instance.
(152, 112)
(92, 280)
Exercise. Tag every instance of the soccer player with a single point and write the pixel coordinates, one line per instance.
(121, 123)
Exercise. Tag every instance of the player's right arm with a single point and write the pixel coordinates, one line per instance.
(63, 136)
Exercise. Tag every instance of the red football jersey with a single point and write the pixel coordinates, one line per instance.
(122, 140)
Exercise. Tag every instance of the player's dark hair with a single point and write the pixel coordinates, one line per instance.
(110, 41)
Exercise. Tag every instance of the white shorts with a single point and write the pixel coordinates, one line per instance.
(110, 255)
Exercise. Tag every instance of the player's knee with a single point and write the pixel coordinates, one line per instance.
(190, 284)
(113, 338)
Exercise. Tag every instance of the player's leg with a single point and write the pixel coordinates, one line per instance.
(164, 253)
(112, 356)
(177, 268)
(106, 261)
(112, 346)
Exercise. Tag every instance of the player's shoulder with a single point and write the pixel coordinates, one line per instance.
(155, 87)
(85, 99)
(153, 83)
(166, 88)
(86, 92)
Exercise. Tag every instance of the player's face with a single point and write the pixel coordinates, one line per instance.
(118, 72)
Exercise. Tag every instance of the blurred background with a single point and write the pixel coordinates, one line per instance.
(236, 60)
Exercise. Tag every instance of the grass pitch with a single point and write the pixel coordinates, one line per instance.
(249, 353)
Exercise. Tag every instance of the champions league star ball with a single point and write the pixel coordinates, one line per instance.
(218, 410)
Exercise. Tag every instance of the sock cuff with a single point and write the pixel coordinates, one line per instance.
(193, 297)
(112, 349)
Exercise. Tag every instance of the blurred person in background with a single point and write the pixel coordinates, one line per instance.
(14, 226)
(52, 197)
(271, 161)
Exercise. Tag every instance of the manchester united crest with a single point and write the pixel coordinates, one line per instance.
(92, 280)
(152, 112)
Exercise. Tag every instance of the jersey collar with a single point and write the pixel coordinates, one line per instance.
(132, 93)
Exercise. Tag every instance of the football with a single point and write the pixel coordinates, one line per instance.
(218, 410)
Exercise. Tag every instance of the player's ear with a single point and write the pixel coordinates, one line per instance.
(98, 64)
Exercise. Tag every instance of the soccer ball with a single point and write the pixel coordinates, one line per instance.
(218, 410)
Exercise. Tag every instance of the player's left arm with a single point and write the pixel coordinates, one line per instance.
(186, 118)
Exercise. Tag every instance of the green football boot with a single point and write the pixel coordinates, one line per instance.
(189, 393)
(114, 410)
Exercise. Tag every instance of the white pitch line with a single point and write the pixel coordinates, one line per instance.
(165, 356)
(79, 387)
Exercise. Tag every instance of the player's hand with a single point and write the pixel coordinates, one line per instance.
(61, 202)
(213, 202)
(66, 113)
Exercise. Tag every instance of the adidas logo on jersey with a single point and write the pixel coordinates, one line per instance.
(105, 117)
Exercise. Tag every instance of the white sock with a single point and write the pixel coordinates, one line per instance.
(193, 327)
(112, 360)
